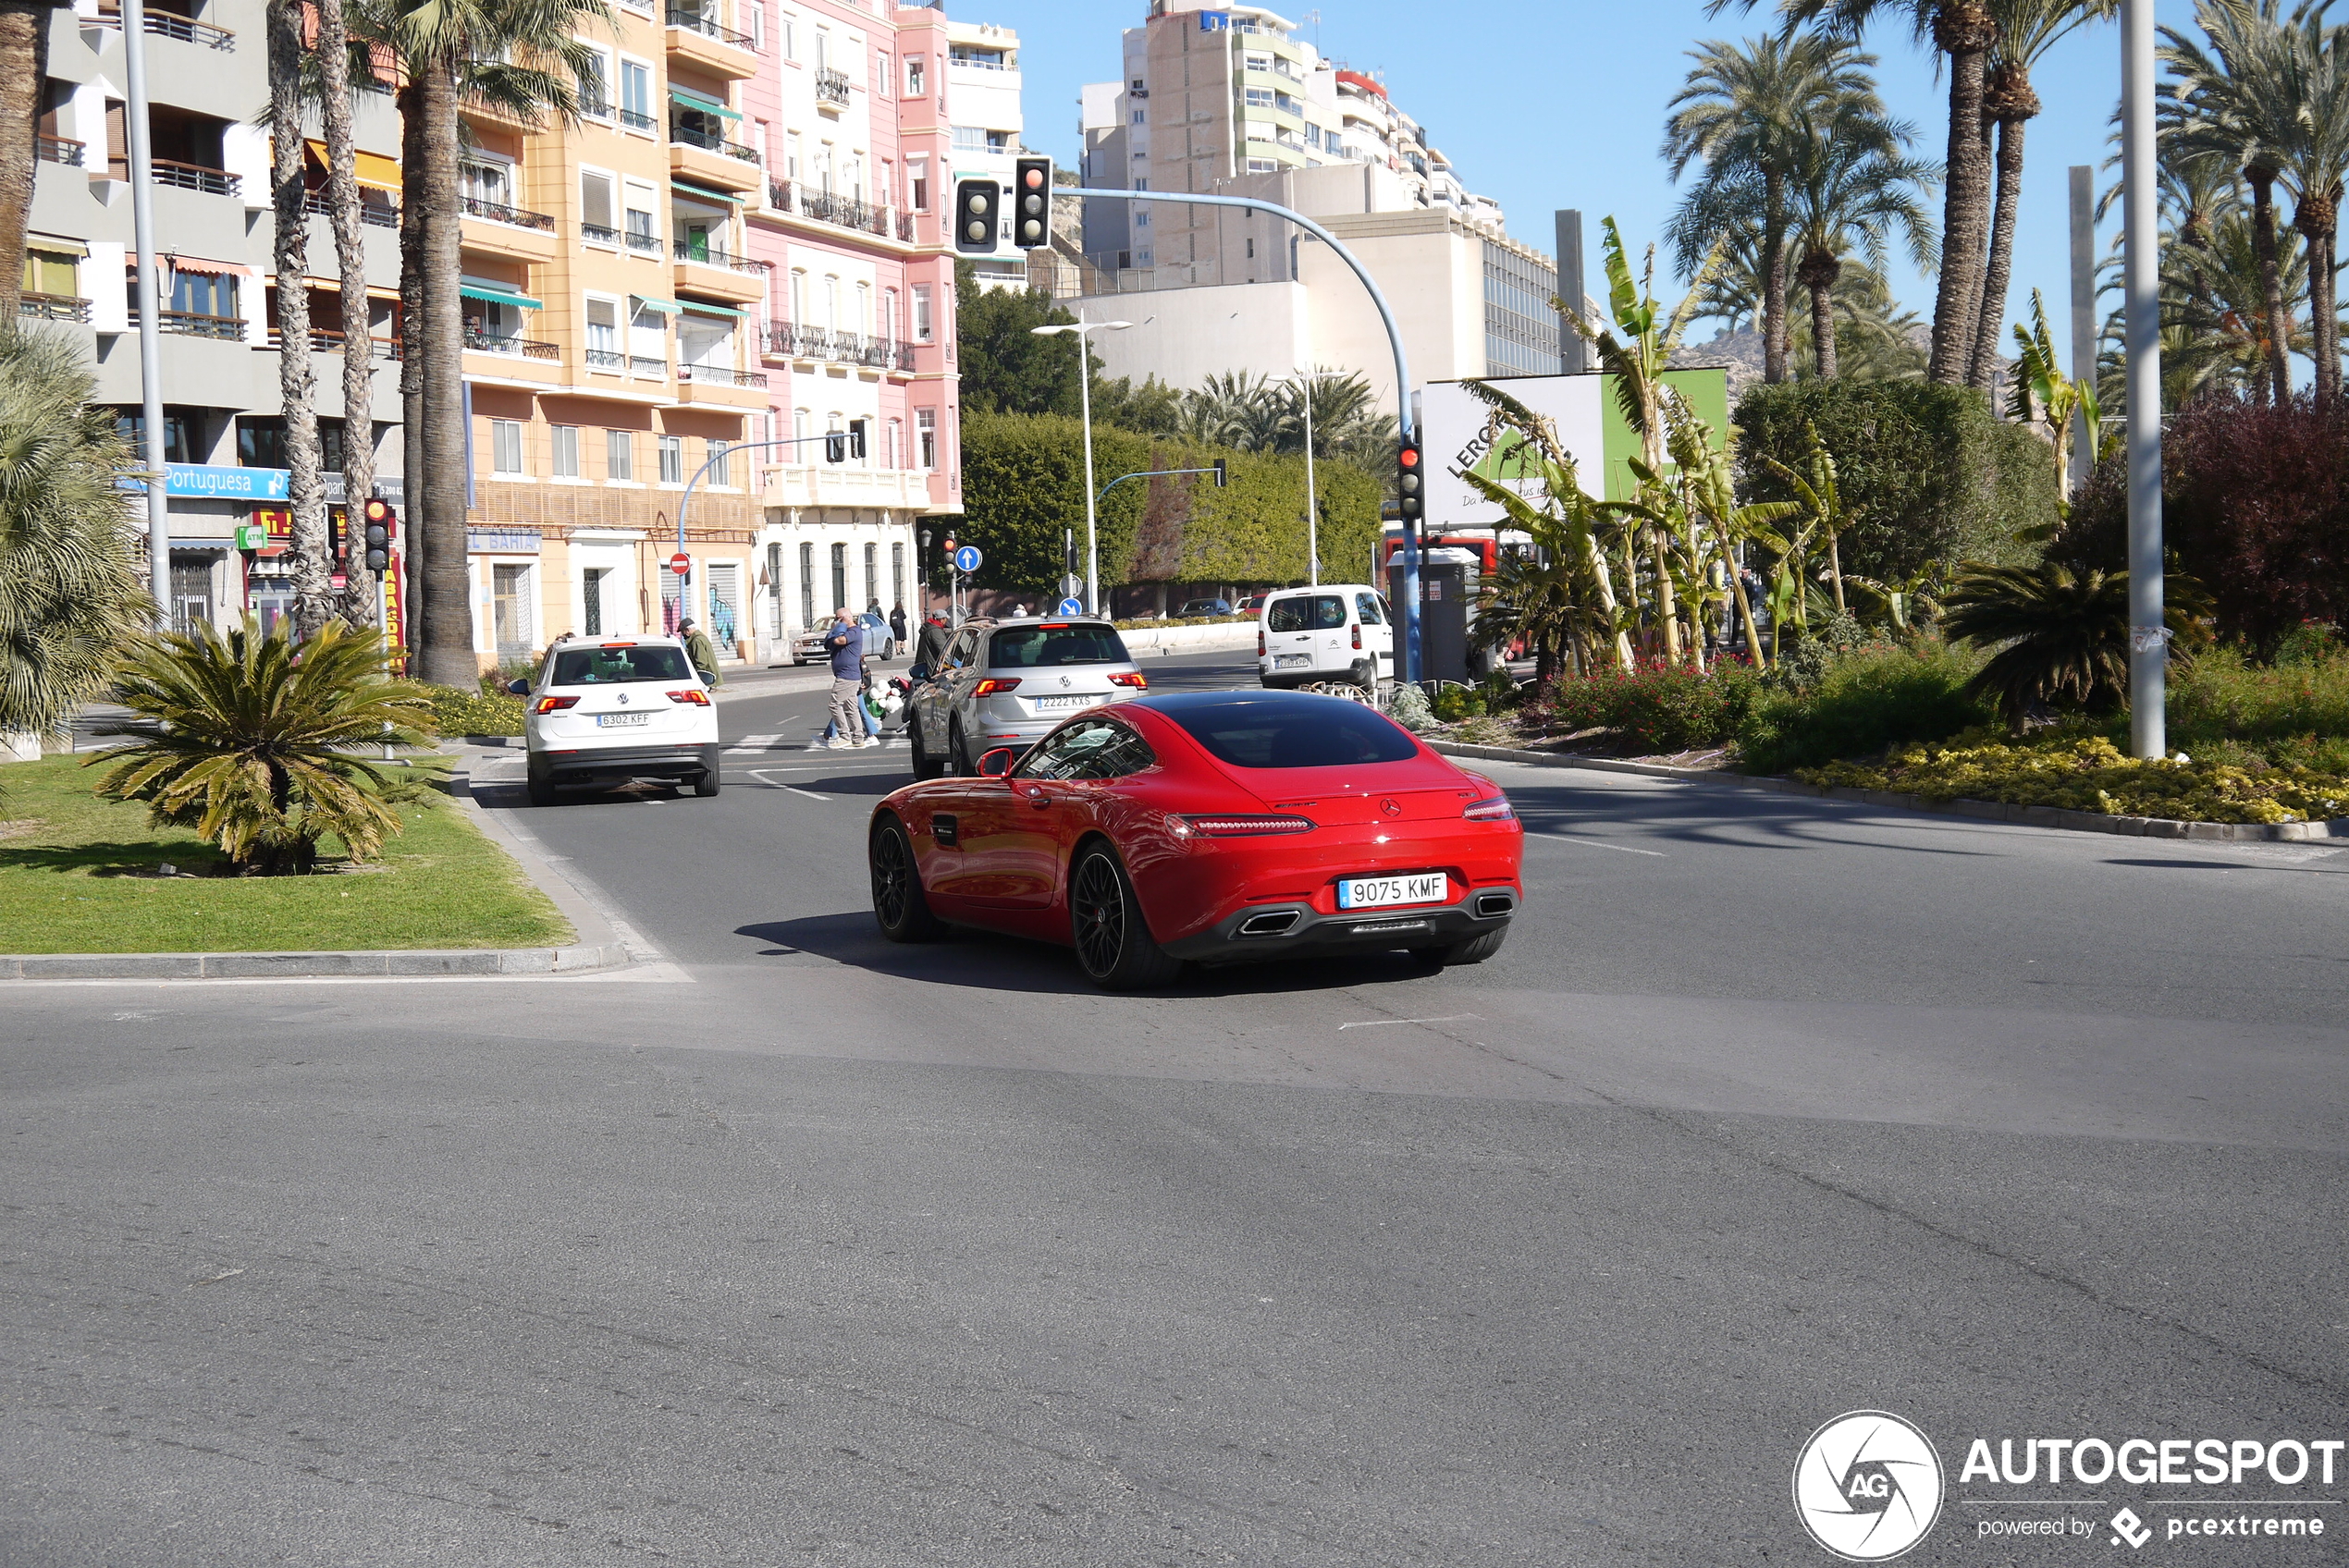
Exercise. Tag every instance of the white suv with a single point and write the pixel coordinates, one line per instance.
(1338, 632)
(604, 713)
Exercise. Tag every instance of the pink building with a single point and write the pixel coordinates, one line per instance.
(856, 332)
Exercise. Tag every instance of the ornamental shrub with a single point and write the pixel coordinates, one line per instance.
(2092, 775)
(1876, 696)
(1656, 708)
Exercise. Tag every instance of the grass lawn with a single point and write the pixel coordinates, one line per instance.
(77, 876)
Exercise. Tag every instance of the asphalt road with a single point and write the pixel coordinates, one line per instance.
(802, 1247)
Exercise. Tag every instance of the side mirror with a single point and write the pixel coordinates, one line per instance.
(996, 764)
(518, 688)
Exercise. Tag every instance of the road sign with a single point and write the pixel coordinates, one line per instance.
(1072, 584)
(967, 558)
(1071, 607)
(681, 563)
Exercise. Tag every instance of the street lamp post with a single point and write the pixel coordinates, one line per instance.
(142, 238)
(1312, 514)
(2149, 650)
(1078, 328)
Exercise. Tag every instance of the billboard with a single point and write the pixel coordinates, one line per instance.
(1455, 432)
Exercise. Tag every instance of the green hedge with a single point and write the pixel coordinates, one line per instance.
(1928, 470)
(1022, 485)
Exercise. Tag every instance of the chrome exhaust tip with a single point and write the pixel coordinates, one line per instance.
(1492, 906)
(1271, 923)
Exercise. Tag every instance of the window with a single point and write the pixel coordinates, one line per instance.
(54, 272)
(564, 438)
(594, 84)
(1091, 748)
(786, 35)
(642, 236)
(1056, 645)
(636, 94)
(1306, 612)
(596, 223)
(839, 576)
(203, 294)
(882, 74)
(872, 574)
(897, 566)
(925, 330)
(672, 459)
(486, 182)
(509, 611)
(889, 452)
(1365, 606)
(970, 138)
(505, 445)
(1252, 247)
(806, 583)
(914, 77)
(603, 335)
(925, 433)
(591, 598)
(823, 49)
(1138, 117)
(791, 154)
(725, 602)
(864, 321)
(917, 181)
(890, 328)
(619, 455)
(1252, 729)
(620, 667)
(719, 454)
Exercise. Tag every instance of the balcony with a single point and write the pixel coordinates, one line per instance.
(721, 376)
(701, 270)
(831, 88)
(605, 358)
(696, 39)
(645, 244)
(787, 341)
(846, 212)
(710, 256)
(324, 340)
(600, 234)
(190, 324)
(484, 342)
(708, 158)
(721, 387)
(195, 177)
(497, 212)
(59, 150)
(636, 119)
(165, 24)
(53, 307)
(379, 209)
(645, 366)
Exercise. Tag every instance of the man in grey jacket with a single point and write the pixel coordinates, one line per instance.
(845, 643)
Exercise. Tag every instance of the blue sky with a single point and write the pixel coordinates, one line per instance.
(1551, 105)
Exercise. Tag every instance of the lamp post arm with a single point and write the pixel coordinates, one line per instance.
(1148, 474)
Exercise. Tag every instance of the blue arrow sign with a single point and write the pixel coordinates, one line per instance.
(1071, 607)
(967, 558)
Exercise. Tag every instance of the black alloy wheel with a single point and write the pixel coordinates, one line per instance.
(925, 765)
(706, 784)
(899, 907)
(958, 752)
(1469, 950)
(542, 787)
(1114, 943)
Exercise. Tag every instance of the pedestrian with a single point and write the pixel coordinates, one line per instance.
(932, 647)
(699, 653)
(845, 641)
(897, 625)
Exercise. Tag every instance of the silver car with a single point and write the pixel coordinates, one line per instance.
(880, 644)
(1005, 682)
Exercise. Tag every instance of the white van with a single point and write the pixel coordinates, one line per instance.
(1337, 631)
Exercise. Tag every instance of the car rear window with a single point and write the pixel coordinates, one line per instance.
(1044, 647)
(1289, 733)
(1307, 612)
(612, 666)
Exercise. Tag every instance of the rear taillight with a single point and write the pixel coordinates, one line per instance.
(1358, 634)
(555, 705)
(1492, 808)
(1241, 825)
(693, 696)
(1133, 678)
(992, 688)
(1260, 642)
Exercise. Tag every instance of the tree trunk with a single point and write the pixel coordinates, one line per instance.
(1835, 567)
(24, 67)
(449, 657)
(1990, 324)
(1963, 30)
(358, 606)
(2262, 180)
(1745, 606)
(1819, 272)
(305, 491)
(415, 549)
(1607, 600)
(2316, 218)
(1667, 614)
(1774, 332)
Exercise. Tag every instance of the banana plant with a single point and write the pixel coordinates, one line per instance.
(1821, 496)
(1712, 501)
(2042, 391)
(1910, 602)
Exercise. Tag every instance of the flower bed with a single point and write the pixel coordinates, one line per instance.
(2092, 775)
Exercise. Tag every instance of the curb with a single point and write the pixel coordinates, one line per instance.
(384, 962)
(1986, 811)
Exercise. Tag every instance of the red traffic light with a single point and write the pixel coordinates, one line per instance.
(1033, 178)
(1408, 457)
(378, 509)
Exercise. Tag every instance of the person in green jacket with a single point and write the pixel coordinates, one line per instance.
(700, 654)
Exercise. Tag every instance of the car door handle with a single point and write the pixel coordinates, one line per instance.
(1039, 799)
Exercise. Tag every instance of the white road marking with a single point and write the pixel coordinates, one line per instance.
(1378, 1022)
(1594, 843)
(760, 774)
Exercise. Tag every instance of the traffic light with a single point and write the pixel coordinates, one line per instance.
(975, 215)
(1409, 490)
(1069, 551)
(1032, 202)
(1222, 474)
(842, 445)
(382, 522)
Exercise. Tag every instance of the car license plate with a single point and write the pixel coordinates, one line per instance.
(621, 720)
(1381, 892)
(1291, 661)
(1065, 705)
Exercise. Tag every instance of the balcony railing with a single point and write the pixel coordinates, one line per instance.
(641, 364)
(649, 244)
(719, 375)
(53, 307)
(606, 359)
(838, 348)
(694, 22)
(970, 64)
(600, 234)
(195, 177)
(831, 86)
(905, 227)
(59, 150)
(382, 212)
(486, 342)
(710, 256)
(193, 324)
(327, 340)
(710, 141)
(497, 212)
(636, 119)
(187, 30)
(846, 210)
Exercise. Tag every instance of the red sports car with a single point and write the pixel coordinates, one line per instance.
(1208, 826)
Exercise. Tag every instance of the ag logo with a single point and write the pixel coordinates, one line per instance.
(1868, 1485)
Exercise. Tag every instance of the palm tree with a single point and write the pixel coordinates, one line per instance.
(72, 589)
(1347, 423)
(520, 58)
(254, 740)
(1876, 339)
(2214, 293)
(1736, 113)
(24, 70)
(289, 196)
(351, 264)
(2027, 30)
(1851, 188)
(1965, 32)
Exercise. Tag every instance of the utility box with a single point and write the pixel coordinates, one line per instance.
(1447, 604)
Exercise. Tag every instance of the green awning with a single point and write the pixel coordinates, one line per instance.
(701, 101)
(699, 309)
(703, 192)
(498, 295)
(665, 307)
